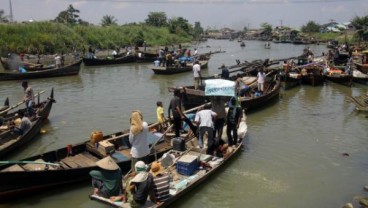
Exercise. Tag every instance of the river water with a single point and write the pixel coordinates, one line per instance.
(293, 155)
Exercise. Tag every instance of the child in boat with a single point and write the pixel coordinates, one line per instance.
(160, 116)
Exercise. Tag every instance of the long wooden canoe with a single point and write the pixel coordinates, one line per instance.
(72, 163)
(178, 69)
(109, 61)
(72, 69)
(9, 141)
(192, 98)
(186, 176)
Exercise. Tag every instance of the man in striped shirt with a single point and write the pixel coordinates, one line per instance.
(161, 182)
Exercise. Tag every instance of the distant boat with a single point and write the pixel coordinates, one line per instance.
(242, 44)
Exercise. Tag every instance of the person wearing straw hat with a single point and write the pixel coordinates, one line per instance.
(161, 182)
(141, 186)
(107, 181)
(138, 137)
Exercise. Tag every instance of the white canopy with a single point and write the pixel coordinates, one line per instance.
(219, 87)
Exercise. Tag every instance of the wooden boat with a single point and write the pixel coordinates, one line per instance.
(312, 74)
(109, 61)
(271, 93)
(339, 76)
(190, 169)
(178, 69)
(10, 141)
(359, 77)
(73, 163)
(146, 57)
(5, 108)
(362, 65)
(72, 69)
(192, 98)
(360, 102)
(290, 80)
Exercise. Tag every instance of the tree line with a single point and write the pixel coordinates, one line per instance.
(68, 32)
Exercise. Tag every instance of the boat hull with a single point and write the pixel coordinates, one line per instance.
(69, 70)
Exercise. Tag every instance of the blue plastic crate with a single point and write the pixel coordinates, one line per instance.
(187, 165)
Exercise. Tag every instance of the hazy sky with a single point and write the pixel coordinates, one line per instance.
(210, 13)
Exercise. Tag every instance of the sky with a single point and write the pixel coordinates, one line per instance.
(212, 14)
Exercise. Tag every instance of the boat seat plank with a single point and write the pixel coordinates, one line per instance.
(71, 162)
(13, 168)
(90, 156)
(85, 160)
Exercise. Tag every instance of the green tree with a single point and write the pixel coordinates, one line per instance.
(361, 25)
(3, 18)
(108, 20)
(310, 27)
(157, 19)
(198, 30)
(69, 16)
(267, 28)
(179, 25)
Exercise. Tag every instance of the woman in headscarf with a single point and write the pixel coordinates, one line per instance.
(138, 138)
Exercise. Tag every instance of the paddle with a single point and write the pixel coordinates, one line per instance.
(20, 103)
(28, 162)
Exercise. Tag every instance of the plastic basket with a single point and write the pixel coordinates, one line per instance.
(187, 166)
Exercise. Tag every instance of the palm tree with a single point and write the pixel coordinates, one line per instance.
(108, 20)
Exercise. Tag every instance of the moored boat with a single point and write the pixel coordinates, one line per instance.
(339, 76)
(9, 141)
(109, 61)
(72, 163)
(312, 74)
(359, 77)
(189, 169)
(68, 70)
(175, 69)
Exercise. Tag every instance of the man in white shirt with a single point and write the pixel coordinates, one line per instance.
(196, 74)
(204, 119)
(260, 80)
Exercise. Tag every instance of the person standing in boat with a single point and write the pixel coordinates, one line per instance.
(205, 119)
(138, 138)
(57, 61)
(233, 119)
(28, 98)
(224, 72)
(160, 116)
(218, 106)
(196, 74)
(107, 182)
(261, 76)
(175, 109)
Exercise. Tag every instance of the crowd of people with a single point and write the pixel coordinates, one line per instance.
(152, 182)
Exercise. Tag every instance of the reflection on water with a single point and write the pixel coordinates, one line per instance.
(292, 155)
